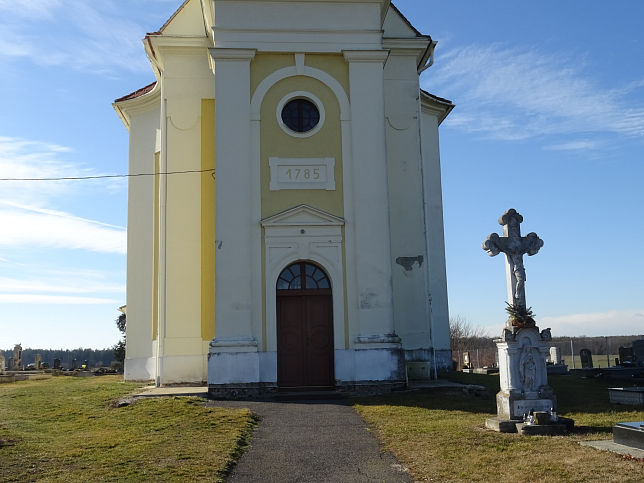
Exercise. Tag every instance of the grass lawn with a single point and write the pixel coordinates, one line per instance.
(440, 435)
(62, 429)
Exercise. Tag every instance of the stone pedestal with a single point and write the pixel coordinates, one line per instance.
(523, 374)
(523, 377)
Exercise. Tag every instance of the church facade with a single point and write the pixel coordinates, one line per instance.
(292, 235)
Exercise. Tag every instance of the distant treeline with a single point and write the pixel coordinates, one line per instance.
(94, 357)
(483, 352)
(597, 345)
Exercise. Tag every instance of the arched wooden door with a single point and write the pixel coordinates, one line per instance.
(304, 327)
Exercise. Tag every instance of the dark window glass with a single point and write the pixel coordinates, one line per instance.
(300, 115)
(292, 276)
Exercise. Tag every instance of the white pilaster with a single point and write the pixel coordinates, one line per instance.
(234, 221)
(371, 207)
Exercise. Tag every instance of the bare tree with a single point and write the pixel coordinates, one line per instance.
(463, 333)
(465, 336)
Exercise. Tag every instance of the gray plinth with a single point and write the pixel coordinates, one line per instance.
(523, 376)
(626, 395)
(629, 434)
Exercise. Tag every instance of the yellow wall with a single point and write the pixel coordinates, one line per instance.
(335, 65)
(327, 142)
(265, 64)
(207, 219)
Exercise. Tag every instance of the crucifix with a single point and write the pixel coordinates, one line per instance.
(514, 246)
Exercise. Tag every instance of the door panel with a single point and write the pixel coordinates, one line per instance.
(291, 342)
(305, 341)
(319, 352)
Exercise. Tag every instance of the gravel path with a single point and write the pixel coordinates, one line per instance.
(312, 441)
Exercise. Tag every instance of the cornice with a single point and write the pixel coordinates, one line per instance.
(219, 53)
(179, 42)
(439, 107)
(366, 55)
(397, 44)
(144, 103)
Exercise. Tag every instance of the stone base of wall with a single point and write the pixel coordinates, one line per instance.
(264, 391)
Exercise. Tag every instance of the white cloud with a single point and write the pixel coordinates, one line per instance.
(22, 202)
(612, 322)
(23, 158)
(33, 9)
(518, 93)
(48, 228)
(89, 36)
(54, 299)
(57, 285)
(575, 145)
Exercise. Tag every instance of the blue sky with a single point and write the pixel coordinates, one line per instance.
(549, 120)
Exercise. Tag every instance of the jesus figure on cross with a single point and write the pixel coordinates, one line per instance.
(514, 246)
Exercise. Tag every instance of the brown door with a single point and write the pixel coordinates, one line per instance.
(304, 327)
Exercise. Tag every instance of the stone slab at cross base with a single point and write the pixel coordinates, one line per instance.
(562, 426)
(542, 429)
(501, 425)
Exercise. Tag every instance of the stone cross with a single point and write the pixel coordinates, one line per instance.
(514, 246)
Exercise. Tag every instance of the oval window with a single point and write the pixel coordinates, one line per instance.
(300, 115)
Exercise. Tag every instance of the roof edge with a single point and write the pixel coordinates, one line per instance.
(163, 27)
(440, 104)
(137, 93)
(409, 24)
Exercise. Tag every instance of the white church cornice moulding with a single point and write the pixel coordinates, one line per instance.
(302, 215)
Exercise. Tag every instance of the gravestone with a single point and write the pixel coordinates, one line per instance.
(625, 355)
(1, 363)
(555, 355)
(38, 361)
(629, 434)
(522, 347)
(57, 363)
(638, 352)
(586, 359)
(17, 358)
(10, 364)
(467, 362)
(74, 365)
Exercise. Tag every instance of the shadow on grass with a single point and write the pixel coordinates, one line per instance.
(575, 394)
(443, 399)
(585, 430)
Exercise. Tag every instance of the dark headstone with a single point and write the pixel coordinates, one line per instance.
(56, 363)
(625, 355)
(586, 359)
(638, 351)
(74, 364)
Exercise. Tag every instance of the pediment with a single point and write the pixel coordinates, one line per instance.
(302, 215)
(186, 21)
(396, 25)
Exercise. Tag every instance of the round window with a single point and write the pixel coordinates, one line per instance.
(300, 115)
